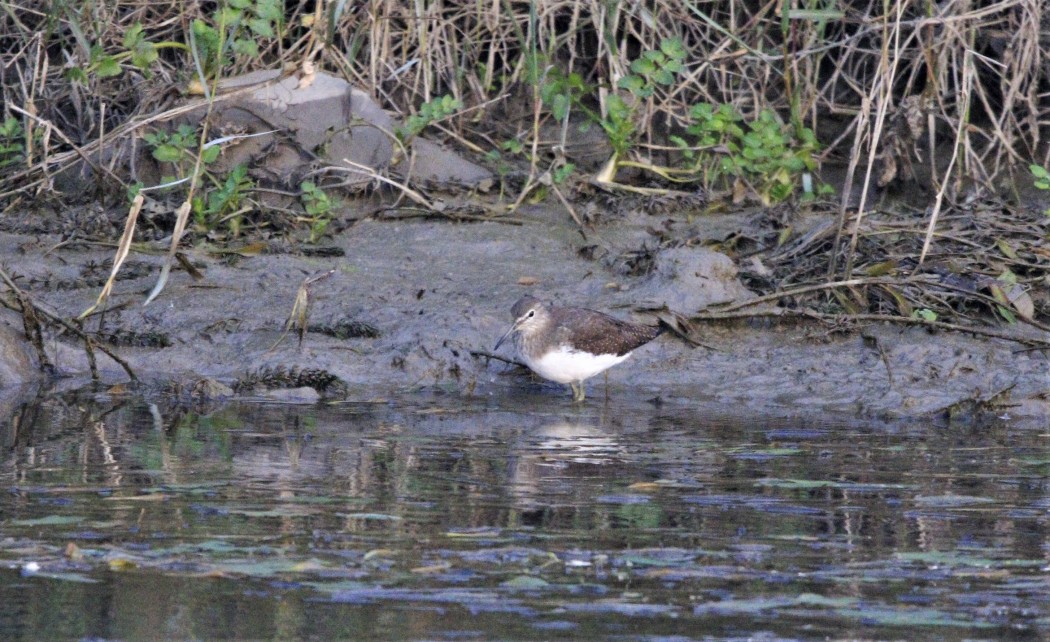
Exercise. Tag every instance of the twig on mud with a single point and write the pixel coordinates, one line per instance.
(885, 357)
(921, 279)
(450, 214)
(830, 285)
(412, 194)
(886, 318)
(89, 343)
(123, 247)
(30, 323)
(80, 151)
(490, 355)
(572, 211)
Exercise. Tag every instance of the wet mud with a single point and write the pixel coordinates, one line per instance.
(416, 304)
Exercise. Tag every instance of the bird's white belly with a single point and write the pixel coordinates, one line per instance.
(569, 366)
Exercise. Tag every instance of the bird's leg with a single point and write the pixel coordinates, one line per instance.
(577, 391)
(607, 385)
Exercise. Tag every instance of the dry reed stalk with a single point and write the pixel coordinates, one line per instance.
(751, 55)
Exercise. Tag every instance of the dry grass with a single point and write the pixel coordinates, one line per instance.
(903, 85)
(953, 95)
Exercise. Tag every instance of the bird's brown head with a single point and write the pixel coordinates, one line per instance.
(529, 314)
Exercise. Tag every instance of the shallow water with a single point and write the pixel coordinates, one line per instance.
(517, 517)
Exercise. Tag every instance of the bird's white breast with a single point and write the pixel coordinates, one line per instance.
(565, 365)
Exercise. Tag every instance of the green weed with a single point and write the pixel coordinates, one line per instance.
(12, 149)
(224, 203)
(429, 113)
(318, 207)
(1041, 179)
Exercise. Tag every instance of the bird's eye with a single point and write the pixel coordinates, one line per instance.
(531, 314)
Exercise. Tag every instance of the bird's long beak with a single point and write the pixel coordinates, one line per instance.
(505, 335)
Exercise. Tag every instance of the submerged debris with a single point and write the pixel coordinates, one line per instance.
(136, 339)
(346, 329)
(282, 377)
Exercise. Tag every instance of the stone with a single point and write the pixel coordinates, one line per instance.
(688, 279)
(324, 119)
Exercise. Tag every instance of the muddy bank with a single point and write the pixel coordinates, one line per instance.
(416, 299)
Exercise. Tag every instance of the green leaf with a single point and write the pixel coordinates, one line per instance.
(673, 48)
(144, 55)
(702, 111)
(559, 175)
(643, 66)
(818, 15)
(269, 10)
(261, 27)
(1006, 314)
(211, 154)
(1008, 251)
(664, 77)
(133, 36)
(655, 56)
(560, 107)
(108, 67)
(632, 84)
(925, 314)
(674, 66)
(245, 47)
(77, 75)
(1039, 171)
(167, 153)
(228, 16)
(240, 4)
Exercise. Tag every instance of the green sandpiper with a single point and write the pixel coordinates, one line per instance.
(570, 345)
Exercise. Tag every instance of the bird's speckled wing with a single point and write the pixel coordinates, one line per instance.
(600, 333)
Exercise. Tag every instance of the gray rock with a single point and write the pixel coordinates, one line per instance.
(433, 163)
(687, 279)
(329, 120)
(324, 119)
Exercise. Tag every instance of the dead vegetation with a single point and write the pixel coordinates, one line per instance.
(950, 98)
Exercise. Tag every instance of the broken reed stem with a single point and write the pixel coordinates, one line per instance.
(884, 88)
(30, 323)
(831, 285)
(35, 335)
(887, 318)
(919, 279)
(946, 179)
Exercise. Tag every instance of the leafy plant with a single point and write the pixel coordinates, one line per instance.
(429, 113)
(223, 204)
(138, 50)
(652, 69)
(179, 148)
(560, 174)
(318, 207)
(234, 30)
(619, 124)
(1041, 179)
(763, 153)
(658, 67)
(11, 148)
(561, 92)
